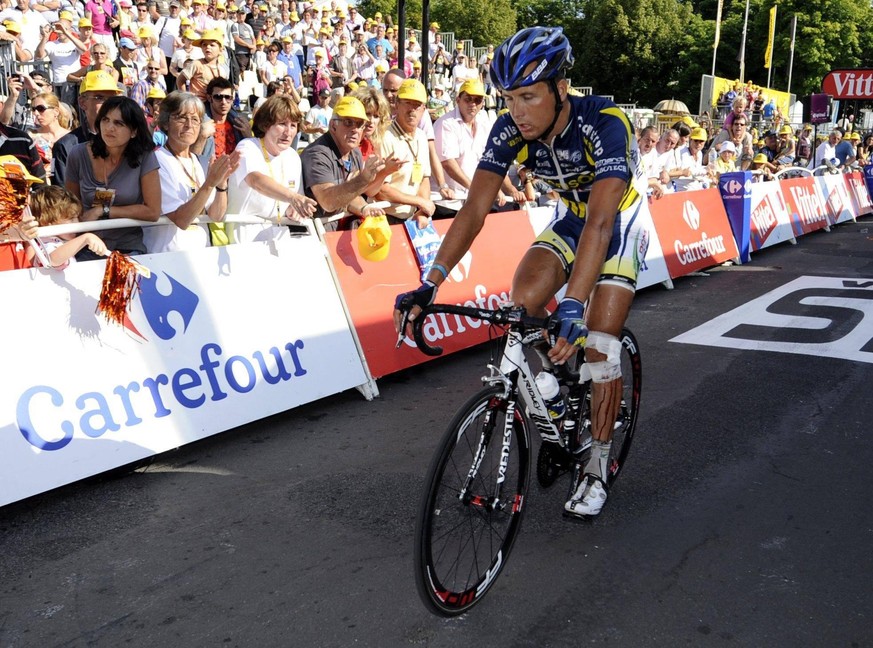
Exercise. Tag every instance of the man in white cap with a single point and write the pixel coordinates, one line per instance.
(167, 29)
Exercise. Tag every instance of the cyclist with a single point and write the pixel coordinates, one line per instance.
(585, 149)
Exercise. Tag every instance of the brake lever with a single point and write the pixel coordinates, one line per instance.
(402, 334)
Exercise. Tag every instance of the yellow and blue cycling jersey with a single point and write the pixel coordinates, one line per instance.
(598, 142)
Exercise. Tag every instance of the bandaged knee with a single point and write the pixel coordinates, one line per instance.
(605, 370)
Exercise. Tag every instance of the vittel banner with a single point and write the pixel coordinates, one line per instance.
(216, 338)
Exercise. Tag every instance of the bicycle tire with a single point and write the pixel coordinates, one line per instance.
(632, 384)
(461, 546)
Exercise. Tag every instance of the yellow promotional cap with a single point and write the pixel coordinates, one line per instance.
(99, 81)
(350, 107)
(11, 167)
(412, 90)
(472, 87)
(374, 238)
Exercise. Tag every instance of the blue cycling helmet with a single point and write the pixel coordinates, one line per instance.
(544, 45)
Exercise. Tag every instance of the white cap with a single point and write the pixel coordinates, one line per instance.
(727, 147)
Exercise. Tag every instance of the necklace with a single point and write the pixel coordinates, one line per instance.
(193, 182)
(270, 169)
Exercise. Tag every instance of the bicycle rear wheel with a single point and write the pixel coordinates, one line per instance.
(626, 423)
(463, 537)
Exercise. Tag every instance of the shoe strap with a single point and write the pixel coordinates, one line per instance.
(594, 477)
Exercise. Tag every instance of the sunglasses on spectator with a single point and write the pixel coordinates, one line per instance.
(222, 97)
(356, 124)
(156, 69)
(474, 100)
(41, 109)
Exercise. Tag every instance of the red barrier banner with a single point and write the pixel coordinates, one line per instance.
(806, 205)
(770, 223)
(482, 278)
(694, 230)
(858, 190)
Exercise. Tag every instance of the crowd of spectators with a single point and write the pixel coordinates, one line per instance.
(282, 111)
(139, 111)
(692, 155)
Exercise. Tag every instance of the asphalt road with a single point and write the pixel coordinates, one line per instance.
(743, 517)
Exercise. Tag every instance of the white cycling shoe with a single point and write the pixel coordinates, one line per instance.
(589, 498)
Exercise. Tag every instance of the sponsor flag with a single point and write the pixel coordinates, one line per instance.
(768, 55)
(717, 24)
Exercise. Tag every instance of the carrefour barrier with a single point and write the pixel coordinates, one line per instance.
(693, 230)
(226, 336)
(217, 338)
(784, 210)
(482, 278)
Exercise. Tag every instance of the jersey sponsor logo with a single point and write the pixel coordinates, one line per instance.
(817, 316)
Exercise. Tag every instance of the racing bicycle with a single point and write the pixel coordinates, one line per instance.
(474, 496)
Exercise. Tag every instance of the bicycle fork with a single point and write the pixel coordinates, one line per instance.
(494, 502)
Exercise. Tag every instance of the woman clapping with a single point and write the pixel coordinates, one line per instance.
(186, 191)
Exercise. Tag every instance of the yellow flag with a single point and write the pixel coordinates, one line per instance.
(718, 24)
(768, 55)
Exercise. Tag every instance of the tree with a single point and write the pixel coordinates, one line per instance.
(483, 21)
(630, 48)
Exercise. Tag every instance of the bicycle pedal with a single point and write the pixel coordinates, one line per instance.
(578, 519)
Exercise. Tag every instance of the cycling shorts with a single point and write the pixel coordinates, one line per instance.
(627, 248)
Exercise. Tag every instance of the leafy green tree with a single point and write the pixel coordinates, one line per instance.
(631, 48)
(483, 21)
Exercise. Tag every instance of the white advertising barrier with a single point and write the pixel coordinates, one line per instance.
(653, 269)
(770, 221)
(217, 338)
(840, 205)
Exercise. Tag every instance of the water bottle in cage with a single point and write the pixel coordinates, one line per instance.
(551, 393)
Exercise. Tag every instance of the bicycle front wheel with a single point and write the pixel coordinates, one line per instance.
(473, 502)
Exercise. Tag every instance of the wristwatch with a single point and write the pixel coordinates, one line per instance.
(105, 210)
(444, 186)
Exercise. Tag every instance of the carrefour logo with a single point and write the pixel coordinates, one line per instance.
(157, 306)
(691, 215)
(196, 374)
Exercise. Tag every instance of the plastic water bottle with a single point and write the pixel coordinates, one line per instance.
(713, 155)
(551, 393)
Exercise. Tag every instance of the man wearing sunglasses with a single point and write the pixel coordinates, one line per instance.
(460, 137)
(334, 173)
(230, 127)
(153, 79)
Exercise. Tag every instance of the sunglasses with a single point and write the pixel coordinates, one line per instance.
(222, 97)
(357, 124)
(41, 109)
